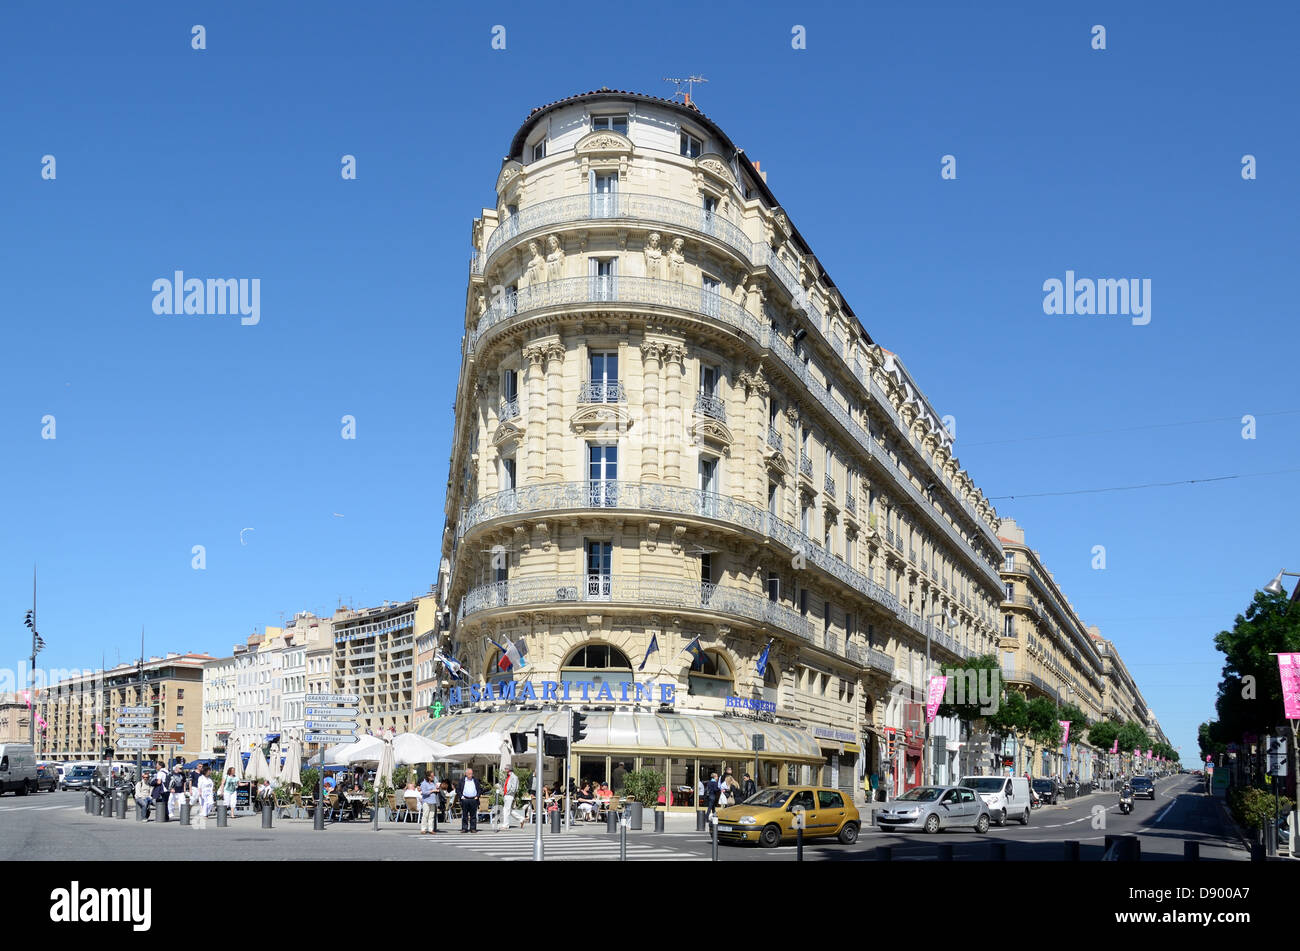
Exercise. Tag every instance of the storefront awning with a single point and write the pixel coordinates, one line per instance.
(665, 734)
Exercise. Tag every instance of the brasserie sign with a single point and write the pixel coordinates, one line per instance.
(572, 691)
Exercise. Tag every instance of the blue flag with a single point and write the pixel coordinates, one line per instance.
(652, 649)
(696, 652)
(762, 659)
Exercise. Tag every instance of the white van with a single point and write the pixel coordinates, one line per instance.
(17, 768)
(1007, 797)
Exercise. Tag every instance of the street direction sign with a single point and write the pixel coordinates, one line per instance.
(332, 698)
(129, 710)
(134, 743)
(169, 738)
(329, 738)
(331, 711)
(135, 721)
(134, 731)
(328, 724)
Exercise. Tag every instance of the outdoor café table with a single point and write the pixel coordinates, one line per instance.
(356, 802)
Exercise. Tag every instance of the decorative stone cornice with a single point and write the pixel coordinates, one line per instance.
(715, 165)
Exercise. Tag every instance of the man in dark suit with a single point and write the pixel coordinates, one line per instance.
(468, 790)
(748, 788)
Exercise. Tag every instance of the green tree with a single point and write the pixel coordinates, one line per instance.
(1133, 736)
(1101, 735)
(1043, 725)
(1011, 719)
(1078, 721)
(1208, 742)
(973, 673)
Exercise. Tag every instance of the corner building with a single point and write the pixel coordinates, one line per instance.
(670, 426)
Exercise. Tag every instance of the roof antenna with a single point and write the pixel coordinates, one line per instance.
(690, 82)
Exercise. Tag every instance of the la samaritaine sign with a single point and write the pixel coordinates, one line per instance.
(572, 691)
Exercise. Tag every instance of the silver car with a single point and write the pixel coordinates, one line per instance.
(932, 808)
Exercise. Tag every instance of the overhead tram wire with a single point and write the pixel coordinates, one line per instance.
(1142, 485)
(1130, 429)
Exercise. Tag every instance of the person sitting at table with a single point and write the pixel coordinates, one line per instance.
(605, 797)
(586, 804)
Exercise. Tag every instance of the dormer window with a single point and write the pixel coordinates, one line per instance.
(691, 146)
(611, 123)
(539, 151)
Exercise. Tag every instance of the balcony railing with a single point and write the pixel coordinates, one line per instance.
(602, 391)
(710, 405)
(851, 504)
(640, 291)
(829, 485)
(773, 438)
(510, 409)
(805, 464)
(676, 500)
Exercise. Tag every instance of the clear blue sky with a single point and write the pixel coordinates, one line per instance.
(178, 432)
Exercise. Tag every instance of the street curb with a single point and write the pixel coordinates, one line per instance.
(1231, 821)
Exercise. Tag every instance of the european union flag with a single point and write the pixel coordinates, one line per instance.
(696, 652)
(652, 649)
(762, 659)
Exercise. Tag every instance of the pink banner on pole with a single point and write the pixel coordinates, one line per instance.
(1148, 754)
(937, 687)
(1288, 665)
(1115, 747)
(1065, 732)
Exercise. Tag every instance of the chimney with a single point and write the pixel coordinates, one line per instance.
(761, 174)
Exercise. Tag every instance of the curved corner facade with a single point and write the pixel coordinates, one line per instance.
(678, 454)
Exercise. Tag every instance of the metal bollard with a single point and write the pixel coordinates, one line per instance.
(121, 806)
(997, 851)
(87, 803)
(659, 820)
(185, 812)
(1257, 852)
(713, 825)
(99, 805)
(222, 818)
(161, 806)
(555, 822)
(1071, 850)
(139, 812)
(945, 851)
(611, 821)
(1192, 851)
(622, 841)
(318, 815)
(701, 820)
(267, 814)
(798, 845)
(374, 818)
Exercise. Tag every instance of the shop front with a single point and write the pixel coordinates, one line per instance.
(685, 747)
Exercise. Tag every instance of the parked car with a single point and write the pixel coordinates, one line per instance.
(78, 777)
(1047, 790)
(1006, 796)
(932, 808)
(47, 777)
(1143, 787)
(767, 816)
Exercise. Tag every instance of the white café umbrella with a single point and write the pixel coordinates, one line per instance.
(337, 755)
(384, 773)
(411, 748)
(274, 764)
(484, 745)
(506, 751)
(258, 769)
(365, 750)
(291, 775)
(233, 749)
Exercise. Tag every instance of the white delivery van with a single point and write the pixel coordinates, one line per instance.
(1006, 796)
(17, 768)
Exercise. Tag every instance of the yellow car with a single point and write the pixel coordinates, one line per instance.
(767, 816)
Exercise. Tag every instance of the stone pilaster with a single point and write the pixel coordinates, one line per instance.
(652, 427)
(536, 420)
(674, 430)
(555, 412)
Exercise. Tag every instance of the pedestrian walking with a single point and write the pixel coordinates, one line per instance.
(177, 786)
(509, 789)
(143, 797)
(429, 795)
(468, 790)
(712, 790)
(229, 789)
(160, 793)
(203, 796)
(748, 788)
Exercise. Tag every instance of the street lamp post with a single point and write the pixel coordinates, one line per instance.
(38, 645)
(930, 769)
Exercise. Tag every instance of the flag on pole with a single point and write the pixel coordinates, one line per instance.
(515, 654)
(1115, 747)
(503, 662)
(452, 664)
(696, 652)
(652, 649)
(762, 659)
(99, 729)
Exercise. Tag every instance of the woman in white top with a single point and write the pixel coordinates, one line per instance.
(203, 797)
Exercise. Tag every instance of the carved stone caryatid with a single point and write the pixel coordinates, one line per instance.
(536, 357)
(554, 411)
(535, 272)
(652, 432)
(674, 360)
(677, 262)
(654, 257)
(554, 258)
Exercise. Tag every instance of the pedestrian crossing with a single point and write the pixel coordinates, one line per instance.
(517, 846)
(5, 809)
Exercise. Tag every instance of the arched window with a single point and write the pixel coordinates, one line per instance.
(771, 682)
(599, 663)
(494, 673)
(711, 676)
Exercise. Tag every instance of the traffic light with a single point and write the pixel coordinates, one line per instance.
(555, 745)
(519, 742)
(579, 726)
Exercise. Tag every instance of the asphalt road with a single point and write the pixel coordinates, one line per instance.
(55, 827)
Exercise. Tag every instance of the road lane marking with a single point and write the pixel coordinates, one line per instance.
(1166, 812)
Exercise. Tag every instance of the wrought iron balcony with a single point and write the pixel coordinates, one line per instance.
(774, 438)
(710, 405)
(829, 485)
(510, 409)
(911, 555)
(476, 263)
(851, 504)
(805, 464)
(602, 391)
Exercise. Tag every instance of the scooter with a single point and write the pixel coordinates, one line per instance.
(1126, 800)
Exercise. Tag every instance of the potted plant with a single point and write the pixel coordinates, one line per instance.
(643, 786)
